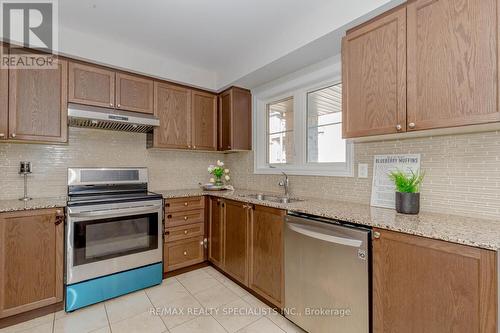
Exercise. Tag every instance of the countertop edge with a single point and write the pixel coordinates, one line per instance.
(349, 217)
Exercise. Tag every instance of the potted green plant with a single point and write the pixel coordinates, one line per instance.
(407, 190)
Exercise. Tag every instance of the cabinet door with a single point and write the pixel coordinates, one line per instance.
(225, 106)
(31, 260)
(426, 285)
(453, 59)
(173, 108)
(236, 240)
(134, 93)
(91, 85)
(216, 232)
(204, 121)
(38, 104)
(4, 97)
(374, 77)
(235, 120)
(182, 253)
(266, 253)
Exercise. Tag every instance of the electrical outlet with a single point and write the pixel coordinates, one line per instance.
(362, 170)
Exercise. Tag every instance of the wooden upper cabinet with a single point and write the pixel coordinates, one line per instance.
(453, 63)
(215, 232)
(31, 260)
(4, 98)
(374, 77)
(38, 104)
(432, 286)
(235, 119)
(266, 254)
(236, 216)
(91, 85)
(134, 93)
(204, 120)
(173, 107)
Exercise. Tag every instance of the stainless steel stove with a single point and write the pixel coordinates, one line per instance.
(113, 234)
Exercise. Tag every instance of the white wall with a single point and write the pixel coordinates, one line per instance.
(129, 57)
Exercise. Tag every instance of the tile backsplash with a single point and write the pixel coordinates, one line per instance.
(462, 174)
(168, 169)
(462, 171)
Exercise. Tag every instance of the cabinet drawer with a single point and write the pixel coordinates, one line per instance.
(183, 253)
(173, 219)
(183, 232)
(183, 204)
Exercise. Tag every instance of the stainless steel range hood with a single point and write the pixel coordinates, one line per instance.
(110, 119)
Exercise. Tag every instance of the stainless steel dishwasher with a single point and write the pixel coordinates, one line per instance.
(327, 267)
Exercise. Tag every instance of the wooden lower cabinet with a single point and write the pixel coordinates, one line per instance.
(183, 253)
(31, 260)
(432, 286)
(246, 242)
(184, 232)
(236, 216)
(184, 217)
(266, 254)
(215, 232)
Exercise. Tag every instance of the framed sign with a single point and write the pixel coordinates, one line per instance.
(383, 188)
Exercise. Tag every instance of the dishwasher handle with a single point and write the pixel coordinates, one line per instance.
(325, 237)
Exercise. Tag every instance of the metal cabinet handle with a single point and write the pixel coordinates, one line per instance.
(13, 135)
(2, 135)
(185, 218)
(185, 253)
(185, 204)
(119, 105)
(399, 127)
(110, 104)
(185, 232)
(411, 125)
(376, 234)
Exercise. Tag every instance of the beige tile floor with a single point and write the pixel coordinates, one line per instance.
(202, 301)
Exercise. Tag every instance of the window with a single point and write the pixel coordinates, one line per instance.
(280, 131)
(300, 131)
(324, 126)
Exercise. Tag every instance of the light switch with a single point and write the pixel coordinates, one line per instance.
(362, 170)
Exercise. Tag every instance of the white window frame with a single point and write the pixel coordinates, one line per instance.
(298, 89)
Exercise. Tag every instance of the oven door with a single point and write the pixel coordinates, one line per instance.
(111, 238)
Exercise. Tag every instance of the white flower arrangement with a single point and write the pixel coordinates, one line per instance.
(218, 171)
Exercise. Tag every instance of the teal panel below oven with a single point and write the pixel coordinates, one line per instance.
(93, 291)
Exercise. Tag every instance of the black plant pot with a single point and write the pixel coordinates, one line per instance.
(407, 203)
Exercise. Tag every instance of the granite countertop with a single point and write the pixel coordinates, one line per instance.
(477, 232)
(15, 205)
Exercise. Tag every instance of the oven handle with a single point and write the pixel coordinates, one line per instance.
(114, 212)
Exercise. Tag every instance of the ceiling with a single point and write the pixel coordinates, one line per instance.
(219, 41)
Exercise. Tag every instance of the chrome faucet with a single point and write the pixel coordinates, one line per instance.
(285, 183)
